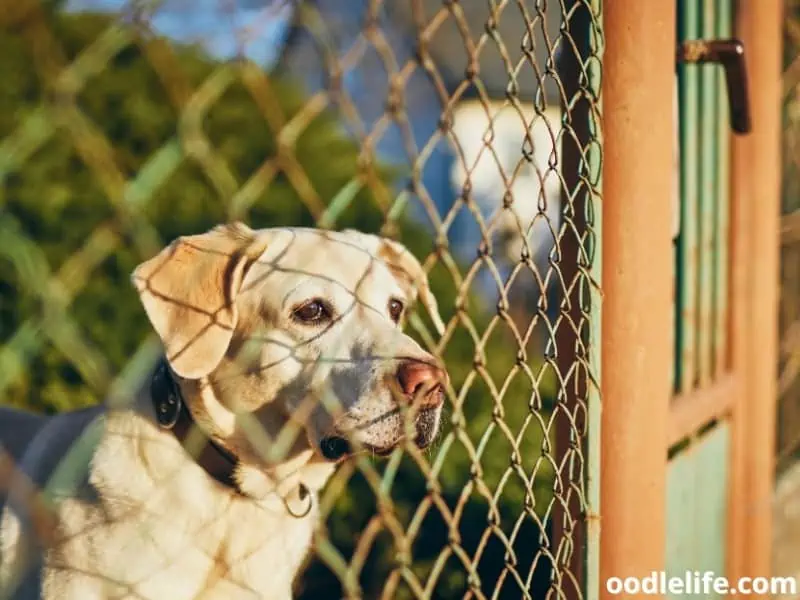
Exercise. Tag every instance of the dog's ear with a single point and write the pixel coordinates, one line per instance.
(411, 275)
(189, 289)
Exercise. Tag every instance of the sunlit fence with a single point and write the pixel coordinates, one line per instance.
(466, 130)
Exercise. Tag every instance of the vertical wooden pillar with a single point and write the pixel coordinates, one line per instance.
(739, 268)
(756, 212)
(638, 126)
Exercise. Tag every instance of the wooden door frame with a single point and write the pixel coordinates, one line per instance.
(756, 282)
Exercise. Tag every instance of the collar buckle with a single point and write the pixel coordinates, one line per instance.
(166, 399)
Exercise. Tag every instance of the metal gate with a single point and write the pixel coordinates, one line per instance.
(688, 419)
(699, 435)
(718, 508)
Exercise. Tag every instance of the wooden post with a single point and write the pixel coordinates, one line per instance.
(638, 126)
(756, 226)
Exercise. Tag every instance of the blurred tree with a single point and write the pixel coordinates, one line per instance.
(130, 115)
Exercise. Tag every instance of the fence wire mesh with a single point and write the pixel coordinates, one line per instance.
(466, 130)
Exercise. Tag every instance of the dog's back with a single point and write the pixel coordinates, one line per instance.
(36, 446)
(17, 429)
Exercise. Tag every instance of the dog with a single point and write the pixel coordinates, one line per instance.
(283, 355)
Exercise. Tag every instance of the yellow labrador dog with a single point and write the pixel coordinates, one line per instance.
(196, 490)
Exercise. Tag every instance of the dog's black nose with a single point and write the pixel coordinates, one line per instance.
(334, 447)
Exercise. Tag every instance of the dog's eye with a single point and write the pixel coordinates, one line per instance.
(313, 311)
(395, 310)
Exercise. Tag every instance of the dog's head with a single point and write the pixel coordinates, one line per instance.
(296, 329)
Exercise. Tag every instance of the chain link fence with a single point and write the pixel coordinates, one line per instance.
(467, 130)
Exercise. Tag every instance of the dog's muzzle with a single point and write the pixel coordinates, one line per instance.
(422, 385)
(335, 447)
(427, 421)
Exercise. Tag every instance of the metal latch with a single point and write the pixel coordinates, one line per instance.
(730, 54)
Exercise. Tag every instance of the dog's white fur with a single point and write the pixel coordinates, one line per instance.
(139, 518)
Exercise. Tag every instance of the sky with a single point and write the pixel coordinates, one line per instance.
(256, 30)
(223, 28)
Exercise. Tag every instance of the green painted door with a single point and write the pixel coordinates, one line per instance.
(698, 472)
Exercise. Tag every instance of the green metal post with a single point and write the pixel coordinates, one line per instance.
(721, 311)
(706, 200)
(686, 273)
(594, 69)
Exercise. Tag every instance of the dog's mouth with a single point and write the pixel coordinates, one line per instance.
(337, 447)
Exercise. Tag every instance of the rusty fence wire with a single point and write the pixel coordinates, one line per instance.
(468, 130)
(789, 353)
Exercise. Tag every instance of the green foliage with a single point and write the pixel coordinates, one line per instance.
(59, 198)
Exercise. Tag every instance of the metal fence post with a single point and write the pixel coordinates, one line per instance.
(575, 338)
(639, 63)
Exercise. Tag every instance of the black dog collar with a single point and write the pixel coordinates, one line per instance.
(172, 414)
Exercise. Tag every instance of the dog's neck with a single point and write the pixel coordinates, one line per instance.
(291, 485)
(173, 415)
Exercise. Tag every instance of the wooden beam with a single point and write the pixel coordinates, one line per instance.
(638, 179)
(691, 412)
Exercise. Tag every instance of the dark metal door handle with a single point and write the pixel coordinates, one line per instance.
(730, 54)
